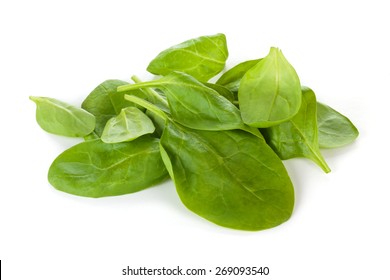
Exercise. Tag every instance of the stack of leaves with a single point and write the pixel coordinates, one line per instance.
(221, 143)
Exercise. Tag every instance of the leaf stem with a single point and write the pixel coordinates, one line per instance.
(141, 85)
(152, 95)
(319, 159)
(147, 105)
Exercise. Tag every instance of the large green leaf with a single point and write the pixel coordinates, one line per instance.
(60, 118)
(96, 169)
(231, 178)
(202, 58)
(269, 92)
(334, 129)
(298, 137)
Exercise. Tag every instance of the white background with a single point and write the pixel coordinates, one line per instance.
(63, 49)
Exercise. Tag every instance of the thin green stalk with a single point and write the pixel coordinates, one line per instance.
(130, 87)
(147, 105)
(150, 92)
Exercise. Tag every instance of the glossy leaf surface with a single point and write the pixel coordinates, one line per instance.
(130, 124)
(60, 118)
(270, 92)
(195, 105)
(97, 169)
(231, 78)
(334, 129)
(298, 137)
(202, 58)
(104, 102)
(231, 178)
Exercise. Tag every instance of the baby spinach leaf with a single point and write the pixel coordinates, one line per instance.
(230, 178)
(60, 118)
(298, 137)
(98, 103)
(104, 102)
(334, 129)
(195, 105)
(130, 124)
(231, 78)
(97, 169)
(202, 58)
(270, 92)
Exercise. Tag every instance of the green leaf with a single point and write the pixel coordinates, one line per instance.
(130, 124)
(270, 92)
(60, 118)
(104, 102)
(230, 178)
(202, 58)
(97, 169)
(334, 129)
(195, 105)
(231, 79)
(298, 137)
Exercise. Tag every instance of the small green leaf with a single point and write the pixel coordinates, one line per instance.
(60, 118)
(96, 169)
(202, 58)
(98, 103)
(298, 137)
(130, 124)
(104, 102)
(270, 92)
(334, 129)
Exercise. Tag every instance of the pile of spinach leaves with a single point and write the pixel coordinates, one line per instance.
(221, 143)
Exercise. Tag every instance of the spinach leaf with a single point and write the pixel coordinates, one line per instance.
(104, 102)
(97, 169)
(270, 92)
(230, 178)
(130, 124)
(231, 79)
(298, 137)
(60, 118)
(195, 105)
(202, 58)
(334, 129)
